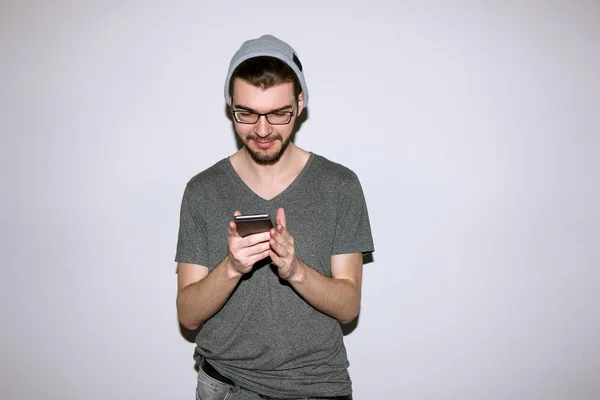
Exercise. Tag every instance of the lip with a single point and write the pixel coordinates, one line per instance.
(264, 144)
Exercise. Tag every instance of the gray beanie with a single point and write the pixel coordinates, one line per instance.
(267, 45)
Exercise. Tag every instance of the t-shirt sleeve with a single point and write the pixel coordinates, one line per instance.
(353, 229)
(192, 239)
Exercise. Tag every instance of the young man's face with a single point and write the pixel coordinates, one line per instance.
(264, 141)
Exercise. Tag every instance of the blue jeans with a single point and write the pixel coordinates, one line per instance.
(211, 389)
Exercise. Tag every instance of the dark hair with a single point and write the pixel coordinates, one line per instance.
(265, 72)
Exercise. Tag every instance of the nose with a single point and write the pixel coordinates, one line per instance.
(262, 127)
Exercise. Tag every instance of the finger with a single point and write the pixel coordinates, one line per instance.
(232, 226)
(278, 261)
(283, 236)
(258, 249)
(262, 255)
(281, 229)
(279, 237)
(279, 248)
(255, 238)
(232, 229)
(259, 256)
(280, 217)
(250, 261)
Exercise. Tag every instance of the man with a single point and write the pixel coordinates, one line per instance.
(269, 304)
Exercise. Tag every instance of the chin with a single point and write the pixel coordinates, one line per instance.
(267, 157)
(262, 157)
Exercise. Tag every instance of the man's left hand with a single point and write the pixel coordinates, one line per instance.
(283, 251)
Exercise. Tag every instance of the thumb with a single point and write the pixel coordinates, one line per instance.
(281, 218)
(233, 226)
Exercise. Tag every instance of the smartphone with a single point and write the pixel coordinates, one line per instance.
(250, 224)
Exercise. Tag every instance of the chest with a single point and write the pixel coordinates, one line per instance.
(268, 191)
(311, 213)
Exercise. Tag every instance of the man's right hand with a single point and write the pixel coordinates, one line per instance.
(244, 252)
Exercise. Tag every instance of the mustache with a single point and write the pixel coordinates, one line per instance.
(267, 139)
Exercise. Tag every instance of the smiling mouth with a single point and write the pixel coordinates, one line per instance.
(264, 144)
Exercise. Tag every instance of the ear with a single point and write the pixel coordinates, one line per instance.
(300, 103)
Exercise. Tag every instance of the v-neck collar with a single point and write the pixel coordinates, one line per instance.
(289, 187)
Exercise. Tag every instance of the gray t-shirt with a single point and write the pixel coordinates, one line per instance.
(266, 337)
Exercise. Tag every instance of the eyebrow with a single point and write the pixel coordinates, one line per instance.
(280, 109)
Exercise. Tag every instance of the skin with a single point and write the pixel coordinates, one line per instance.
(201, 294)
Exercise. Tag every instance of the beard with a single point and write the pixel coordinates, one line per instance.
(266, 158)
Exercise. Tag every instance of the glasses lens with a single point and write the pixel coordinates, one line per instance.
(246, 117)
(279, 118)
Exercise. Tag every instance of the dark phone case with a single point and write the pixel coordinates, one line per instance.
(247, 227)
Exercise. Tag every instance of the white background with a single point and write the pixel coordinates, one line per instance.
(473, 126)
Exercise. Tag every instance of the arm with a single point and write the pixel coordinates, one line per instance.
(201, 294)
(338, 296)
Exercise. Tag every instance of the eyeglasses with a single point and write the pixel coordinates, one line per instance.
(273, 118)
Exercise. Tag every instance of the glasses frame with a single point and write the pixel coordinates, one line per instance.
(258, 115)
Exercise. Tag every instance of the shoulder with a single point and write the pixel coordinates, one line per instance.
(207, 180)
(332, 171)
(213, 174)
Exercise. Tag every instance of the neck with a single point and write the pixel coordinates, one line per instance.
(269, 181)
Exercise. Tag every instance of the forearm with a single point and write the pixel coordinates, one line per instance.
(338, 298)
(199, 301)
